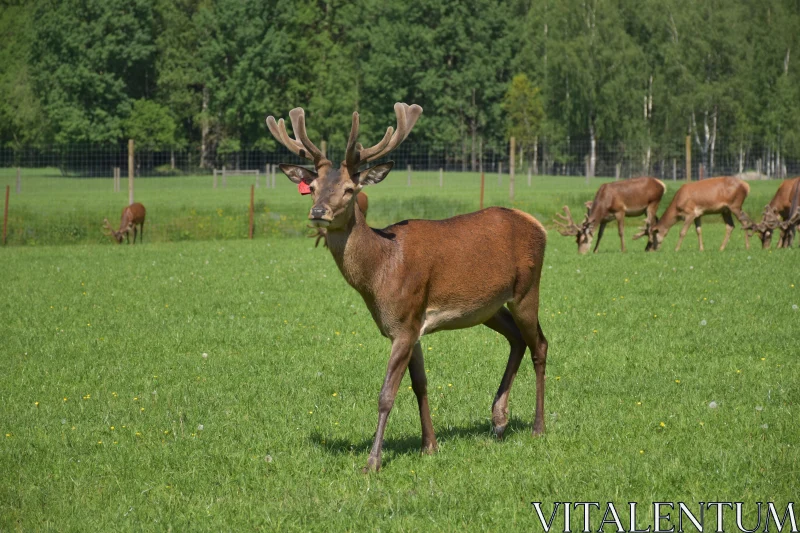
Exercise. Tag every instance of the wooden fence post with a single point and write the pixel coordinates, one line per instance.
(688, 176)
(215, 178)
(273, 176)
(511, 169)
(224, 178)
(19, 181)
(257, 178)
(499, 173)
(130, 171)
(408, 178)
(252, 197)
(441, 178)
(529, 176)
(5, 215)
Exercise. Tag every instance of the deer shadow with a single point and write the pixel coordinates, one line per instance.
(410, 444)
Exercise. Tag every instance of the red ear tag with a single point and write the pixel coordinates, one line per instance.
(303, 188)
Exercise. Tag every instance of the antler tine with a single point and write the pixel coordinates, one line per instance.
(406, 118)
(568, 225)
(302, 147)
(298, 117)
(644, 230)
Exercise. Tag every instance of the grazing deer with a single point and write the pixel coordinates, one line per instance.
(132, 216)
(617, 200)
(422, 276)
(320, 233)
(777, 213)
(693, 200)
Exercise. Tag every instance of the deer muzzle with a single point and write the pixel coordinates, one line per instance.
(320, 216)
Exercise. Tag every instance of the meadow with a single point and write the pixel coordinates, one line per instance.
(218, 384)
(51, 209)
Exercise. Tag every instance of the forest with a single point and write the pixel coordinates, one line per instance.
(620, 75)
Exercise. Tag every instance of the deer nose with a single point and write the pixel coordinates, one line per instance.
(318, 212)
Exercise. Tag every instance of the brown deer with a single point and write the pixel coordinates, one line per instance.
(321, 234)
(132, 216)
(422, 276)
(693, 200)
(616, 200)
(777, 214)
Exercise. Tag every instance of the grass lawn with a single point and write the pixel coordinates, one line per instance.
(55, 210)
(232, 385)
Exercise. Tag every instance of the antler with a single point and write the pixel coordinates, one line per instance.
(301, 145)
(107, 226)
(566, 224)
(644, 230)
(406, 118)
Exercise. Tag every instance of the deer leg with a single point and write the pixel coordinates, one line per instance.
(600, 231)
(503, 323)
(726, 216)
(621, 228)
(699, 229)
(398, 362)
(526, 315)
(419, 382)
(141, 233)
(684, 229)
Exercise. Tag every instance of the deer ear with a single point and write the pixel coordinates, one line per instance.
(374, 174)
(298, 174)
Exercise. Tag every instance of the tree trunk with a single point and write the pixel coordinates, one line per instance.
(536, 155)
(204, 131)
(592, 150)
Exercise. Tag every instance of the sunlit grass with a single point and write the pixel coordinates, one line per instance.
(233, 385)
(57, 210)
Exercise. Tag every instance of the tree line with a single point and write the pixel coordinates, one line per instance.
(633, 76)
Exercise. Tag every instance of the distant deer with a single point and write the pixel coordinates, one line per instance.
(616, 200)
(777, 214)
(422, 276)
(705, 197)
(320, 233)
(132, 216)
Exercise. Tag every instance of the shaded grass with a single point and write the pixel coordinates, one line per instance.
(109, 342)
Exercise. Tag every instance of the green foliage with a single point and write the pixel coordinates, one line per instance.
(524, 110)
(620, 71)
(151, 125)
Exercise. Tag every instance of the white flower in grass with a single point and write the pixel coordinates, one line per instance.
(703, 322)
(200, 427)
(712, 405)
(794, 307)
(759, 408)
(205, 355)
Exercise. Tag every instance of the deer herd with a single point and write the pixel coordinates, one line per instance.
(418, 277)
(723, 196)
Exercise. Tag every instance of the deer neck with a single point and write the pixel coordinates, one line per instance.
(668, 219)
(359, 252)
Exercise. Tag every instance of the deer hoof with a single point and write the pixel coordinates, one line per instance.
(499, 430)
(429, 449)
(538, 429)
(373, 465)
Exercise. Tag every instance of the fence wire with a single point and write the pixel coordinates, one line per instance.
(62, 194)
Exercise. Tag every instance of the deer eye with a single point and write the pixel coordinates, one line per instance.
(349, 190)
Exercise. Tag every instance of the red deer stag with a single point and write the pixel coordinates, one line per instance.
(693, 200)
(132, 216)
(616, 200)
(422, 276)
(777, 214)
(320, 233)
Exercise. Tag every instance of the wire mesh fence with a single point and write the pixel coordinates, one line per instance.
(62, 194)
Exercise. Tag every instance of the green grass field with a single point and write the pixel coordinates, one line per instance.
(54, 210)
(112, 418)
(232, 384)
